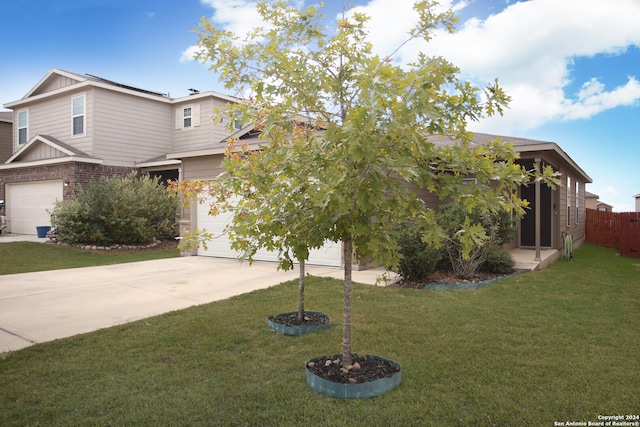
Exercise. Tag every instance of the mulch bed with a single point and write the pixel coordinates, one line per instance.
(449, 278)
(363, 369)
(310, 319)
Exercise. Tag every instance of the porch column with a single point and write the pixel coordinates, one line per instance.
(537, 166)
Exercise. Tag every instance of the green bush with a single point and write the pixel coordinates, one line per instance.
(418, 259)
(454, 219)
(499, 260)
(124, 210)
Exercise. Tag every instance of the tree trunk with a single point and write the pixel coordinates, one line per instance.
(301, 293)
(346, 328)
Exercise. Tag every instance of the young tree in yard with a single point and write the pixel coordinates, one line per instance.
(345, 136)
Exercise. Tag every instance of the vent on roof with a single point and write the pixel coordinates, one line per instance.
(123, 86)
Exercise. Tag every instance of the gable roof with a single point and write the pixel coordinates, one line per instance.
(63, 153)
(72, 81)
(522, 145)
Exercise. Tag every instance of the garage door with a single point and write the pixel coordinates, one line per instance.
(27, 204)
(220, 246)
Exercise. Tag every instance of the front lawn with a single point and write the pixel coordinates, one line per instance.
(552, 346)
(26, 257)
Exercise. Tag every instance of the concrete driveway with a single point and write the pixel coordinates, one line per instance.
(44, 306)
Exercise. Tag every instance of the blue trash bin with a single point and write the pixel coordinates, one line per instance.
(43, 230)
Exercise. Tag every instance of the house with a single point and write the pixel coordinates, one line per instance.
(591, 200)
(6, 130)
(604, 207)
(637, 198)
(71, 129)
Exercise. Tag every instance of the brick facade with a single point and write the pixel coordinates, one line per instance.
(73, 174)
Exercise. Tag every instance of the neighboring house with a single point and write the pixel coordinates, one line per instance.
(604, 207)
(6, 135)
(71, 129)
(637, 198)
(591, 200)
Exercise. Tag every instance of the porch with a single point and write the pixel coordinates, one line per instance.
(526, 258)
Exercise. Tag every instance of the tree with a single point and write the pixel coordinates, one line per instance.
(346, 135)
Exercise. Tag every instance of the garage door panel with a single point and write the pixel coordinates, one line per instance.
(28, 204)
(220, 246)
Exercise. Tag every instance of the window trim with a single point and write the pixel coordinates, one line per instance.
(83, 115)
(569, 193)
(25, 127)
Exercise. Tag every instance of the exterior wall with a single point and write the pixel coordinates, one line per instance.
(6, 141)
(52, 116)
(129, 129)
(637, 203)
(54, 83)
(208, 167)
(40, 152)
(72, 173)
(208, 133)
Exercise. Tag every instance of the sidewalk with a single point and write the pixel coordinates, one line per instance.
(44, 306)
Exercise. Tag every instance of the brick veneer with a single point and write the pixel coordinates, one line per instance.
(74, 173)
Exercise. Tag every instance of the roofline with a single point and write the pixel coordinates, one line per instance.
(551, 146)
(88, 81)
(59, 160)
(40, 138)
(168, 162)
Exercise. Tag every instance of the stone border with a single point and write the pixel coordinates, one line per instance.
(108, 248)
(470, 285)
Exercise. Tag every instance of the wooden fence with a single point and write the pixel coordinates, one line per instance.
(616, 230)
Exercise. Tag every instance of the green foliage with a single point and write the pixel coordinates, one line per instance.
(418, 258)
(498, 260)
(126, 210)
(345, 130)
(472, 236)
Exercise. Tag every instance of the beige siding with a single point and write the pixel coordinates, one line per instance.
(6, 141)
(208, 167)
(40, 152)
(54, 83)
(53, 117)
(130, 129)
(208, 133)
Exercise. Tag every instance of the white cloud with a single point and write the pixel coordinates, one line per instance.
(531, 47)
(189, 53)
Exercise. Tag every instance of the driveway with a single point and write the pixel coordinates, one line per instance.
(44, 306)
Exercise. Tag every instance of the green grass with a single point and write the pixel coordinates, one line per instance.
(556, 345)
(25, 257)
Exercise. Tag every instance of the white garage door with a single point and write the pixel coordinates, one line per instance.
(220, 246)
(27, 205)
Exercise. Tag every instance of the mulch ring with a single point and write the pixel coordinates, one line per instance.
(310, 319)
(363, 369)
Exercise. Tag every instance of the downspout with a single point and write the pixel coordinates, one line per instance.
(538, 259)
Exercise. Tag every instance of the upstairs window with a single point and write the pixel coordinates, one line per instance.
(23, 121)
(77, 115)
(188, 117)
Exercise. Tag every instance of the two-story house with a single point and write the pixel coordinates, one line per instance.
(71, 129)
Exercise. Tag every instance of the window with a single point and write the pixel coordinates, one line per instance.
(77, 114)
(188, 117)
(569, 192)
(237, 124)
(577, 202)
(23, 120)
(186, 123)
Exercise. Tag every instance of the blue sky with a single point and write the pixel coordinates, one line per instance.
(572, 67)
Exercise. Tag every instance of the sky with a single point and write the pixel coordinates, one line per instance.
(571, 67)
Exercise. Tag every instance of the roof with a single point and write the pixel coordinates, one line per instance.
(591, 195)
(69, 154)
(521, 145)
(95, 81)
(6, 116)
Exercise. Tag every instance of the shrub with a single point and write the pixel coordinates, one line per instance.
(418, 260)
(127, 210)
(499, 260)
(491, 230)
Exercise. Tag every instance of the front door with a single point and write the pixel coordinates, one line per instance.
(528, 222)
